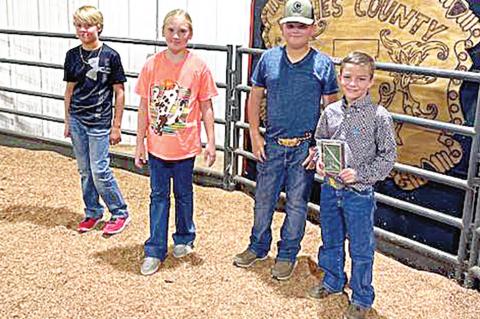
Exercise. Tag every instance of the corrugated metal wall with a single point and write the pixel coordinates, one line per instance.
(214, 21)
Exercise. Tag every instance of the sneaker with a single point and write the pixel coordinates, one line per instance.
(88, 224)
(320, 292)
(115, 226)
(150, 266)
(246, 259)
(355, 312)
(181, 250)
(283, 269)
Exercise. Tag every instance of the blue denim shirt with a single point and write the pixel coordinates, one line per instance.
(294, 91)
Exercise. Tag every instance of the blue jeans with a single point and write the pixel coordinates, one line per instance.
(282, 168)
(90, 146)
(348, 213)
(161, 172)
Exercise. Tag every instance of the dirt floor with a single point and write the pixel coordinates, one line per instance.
(48, 270)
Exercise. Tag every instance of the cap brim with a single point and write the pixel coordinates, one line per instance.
(297, 19)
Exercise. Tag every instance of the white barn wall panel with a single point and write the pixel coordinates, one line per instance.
(215, 22)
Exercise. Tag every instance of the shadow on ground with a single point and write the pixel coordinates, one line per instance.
(41, 215)
(129, 259)
(306, 275)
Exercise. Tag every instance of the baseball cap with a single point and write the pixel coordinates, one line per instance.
(298, 11)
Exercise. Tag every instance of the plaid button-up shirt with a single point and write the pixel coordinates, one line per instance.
(369, 136)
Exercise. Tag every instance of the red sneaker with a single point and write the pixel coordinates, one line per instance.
(88, 224)
(115, 226)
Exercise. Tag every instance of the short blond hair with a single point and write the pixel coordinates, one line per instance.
(359, 58)
(89, 15)
(178, 13)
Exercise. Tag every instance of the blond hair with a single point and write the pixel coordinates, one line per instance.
(359, 58)
(89, 15)
(177, 13)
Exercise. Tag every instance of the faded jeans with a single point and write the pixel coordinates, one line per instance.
(90, 146)
(282, 168)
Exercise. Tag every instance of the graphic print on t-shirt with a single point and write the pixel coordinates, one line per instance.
(168, 107)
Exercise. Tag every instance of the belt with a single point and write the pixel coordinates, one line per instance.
(294, 141)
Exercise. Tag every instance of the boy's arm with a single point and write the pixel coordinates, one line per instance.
(321, 132)
(386, 153)
(142, 122)
(116, 133)
(328, 99)
(209, 122)
(253, 110)
(309, 162)
(67, 100)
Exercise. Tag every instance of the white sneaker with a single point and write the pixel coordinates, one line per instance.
(150, 266)
(181, 250)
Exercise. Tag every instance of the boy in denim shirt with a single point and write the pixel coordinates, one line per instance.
(296, 78)
(347, 201)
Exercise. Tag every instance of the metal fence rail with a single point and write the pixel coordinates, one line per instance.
(228, 50)
(463, 268)
(466, 261)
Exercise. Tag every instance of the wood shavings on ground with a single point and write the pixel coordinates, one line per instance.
(48, 270)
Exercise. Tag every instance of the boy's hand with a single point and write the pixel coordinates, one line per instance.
(348, 175)
(66, 130)
(140, 155)
(258, 148)
(115, 136)
(210, 154)
(319, 167)
(309, 162)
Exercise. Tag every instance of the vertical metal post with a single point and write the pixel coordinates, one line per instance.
(158, 32)
(227, 155)
(474, 247)
(9, 42)
(236, 107)
(42, 102)
(469, 196)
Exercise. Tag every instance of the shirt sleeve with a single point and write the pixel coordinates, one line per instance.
(208, 88)
(322, 127)
(117, 74)
(330, 85)
(258, 76)
(141, 88)
(68, 72)
(386, 153)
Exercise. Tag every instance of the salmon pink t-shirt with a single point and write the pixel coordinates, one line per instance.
(173, 92)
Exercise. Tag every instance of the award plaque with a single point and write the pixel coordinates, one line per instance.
(333, 156)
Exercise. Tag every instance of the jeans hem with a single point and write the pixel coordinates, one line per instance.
(286, 259)
(119, 215)
(94, 216)
(188, 243)
(152, 253)
(256, 253)
(330, 289)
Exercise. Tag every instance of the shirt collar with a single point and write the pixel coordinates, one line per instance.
(360, 103)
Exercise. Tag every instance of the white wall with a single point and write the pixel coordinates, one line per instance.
(214, 21)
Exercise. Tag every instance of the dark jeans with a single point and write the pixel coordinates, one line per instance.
(347, 213)
(161, 173)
